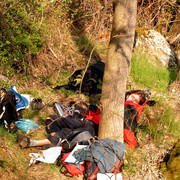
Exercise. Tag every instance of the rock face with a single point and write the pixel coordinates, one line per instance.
(154, 44)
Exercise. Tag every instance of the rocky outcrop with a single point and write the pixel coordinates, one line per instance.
(171, 164)
(156, 47)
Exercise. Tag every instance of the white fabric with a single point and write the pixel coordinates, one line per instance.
(109, 176)
(48, 156)
(29, 98)
(1, 115)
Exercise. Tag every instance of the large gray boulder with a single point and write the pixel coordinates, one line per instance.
(156, 47)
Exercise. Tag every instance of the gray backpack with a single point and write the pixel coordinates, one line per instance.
(80, 137)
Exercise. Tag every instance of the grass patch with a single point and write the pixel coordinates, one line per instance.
(161, 131)
(153, 76)
(169, 124)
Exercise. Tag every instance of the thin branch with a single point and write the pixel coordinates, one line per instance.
(53, 53)
(41, 18)
(86, 69)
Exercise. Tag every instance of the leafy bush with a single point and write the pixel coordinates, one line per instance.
(20, 29)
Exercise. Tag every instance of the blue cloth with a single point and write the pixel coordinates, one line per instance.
(21, 102)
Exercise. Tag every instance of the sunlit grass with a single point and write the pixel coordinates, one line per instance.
(152, 76)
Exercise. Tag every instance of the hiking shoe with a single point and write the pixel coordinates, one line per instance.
(19, 138)
(23, 141)
(37, 104)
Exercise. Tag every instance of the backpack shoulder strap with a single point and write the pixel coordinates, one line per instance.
(75, 137)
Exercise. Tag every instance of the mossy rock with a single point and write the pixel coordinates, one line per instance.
(156, 48)
(172, 167)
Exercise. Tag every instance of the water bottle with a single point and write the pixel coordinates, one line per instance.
(59, 109)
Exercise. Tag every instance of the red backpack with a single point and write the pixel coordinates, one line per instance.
(71, 168)
(88, 169)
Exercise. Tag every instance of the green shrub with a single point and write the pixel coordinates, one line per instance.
(21, 33)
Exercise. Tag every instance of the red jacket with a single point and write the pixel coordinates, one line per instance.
(93, 116)
(132, 113)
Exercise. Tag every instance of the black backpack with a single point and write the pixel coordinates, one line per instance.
(92, 80)
(8, 113)
(77, 136)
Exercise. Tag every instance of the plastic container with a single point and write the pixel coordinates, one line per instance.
(59, 109)
(26, 125)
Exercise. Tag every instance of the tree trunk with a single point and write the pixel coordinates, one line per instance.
(117, 67)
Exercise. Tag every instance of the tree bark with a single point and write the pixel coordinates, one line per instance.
(117, 67)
